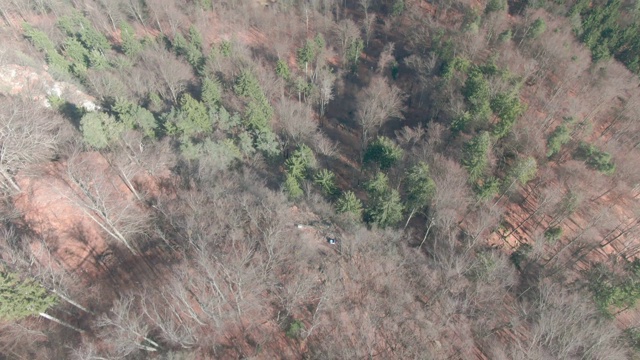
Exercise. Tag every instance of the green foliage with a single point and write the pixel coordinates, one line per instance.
(295, 329)
(58, 64)
(195, 38)
(155, 100)
(553, 234)
(56, 102)
(495, 5)
(78, 26)
(258, 115)
(225, 48)
(443, 45)
(612, 289)
(559, 137)
(191, 50)
(98, 61)
(319, 42)
(84, 47)
(505, 36)
(475, 155)
(354, 49)
(384, 152)
(633, 337)
(213, 156)
(22, 298)
(205, 4)
(79, 57)
(100, 129)
(38, 38)
(461, 122)
(301, 162)
(245, 144)
(190, 119)
(397, 8)
(471, 22)
(606, 29)
(419, 186)
(194, 57)
(520, 255)
(247, 85)
(193, 117)
(491, 68)
(378, 185)
(179, 44)
(567, 205)
(211, 93)
(225, 120)
(523, 171)
(385, 207)
(595, 158)
(349, 203)
(282, 69)
(385, 210)
(326, 179)
(477, 95)
(485, 266)
(135, 117)
(130, 45)
(292, 187)
(266, 141)
(303, 87)
(458, 63)
(395, 70)
(487, 188)
(538, 27)
(306, 53)
(508, 108)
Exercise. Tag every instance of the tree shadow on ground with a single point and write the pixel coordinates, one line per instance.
(517, 7)
(72, 113)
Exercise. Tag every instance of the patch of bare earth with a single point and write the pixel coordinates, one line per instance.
(74, 239)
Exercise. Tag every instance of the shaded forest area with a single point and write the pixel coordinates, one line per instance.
(322, 179)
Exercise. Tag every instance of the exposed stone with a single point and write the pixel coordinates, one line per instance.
(39, 85)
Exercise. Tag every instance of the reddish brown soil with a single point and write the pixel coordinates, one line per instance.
(74, 239)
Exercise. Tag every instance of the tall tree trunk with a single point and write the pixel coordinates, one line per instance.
(9, 180)
(56, 320)
(63, 297)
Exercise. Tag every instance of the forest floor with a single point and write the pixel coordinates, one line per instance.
(78, 244)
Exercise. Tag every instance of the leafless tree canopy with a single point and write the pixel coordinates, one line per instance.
(378, 103)
(217, 192)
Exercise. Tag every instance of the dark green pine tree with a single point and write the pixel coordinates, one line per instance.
(23, 298)
(475, 155)
(350, 204)
(420, 188)
(385, 206)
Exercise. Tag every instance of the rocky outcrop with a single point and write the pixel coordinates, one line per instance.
(38, 85)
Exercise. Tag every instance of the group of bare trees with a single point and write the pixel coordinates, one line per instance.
(217, 262)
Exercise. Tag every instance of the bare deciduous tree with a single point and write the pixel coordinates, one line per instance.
(28, 135)
(164, 312)
(386, 57)
(295, 120)
(346, 31)
(99, 196)
(325, 80)
(171, 73)
(124, 328)
(378, 103)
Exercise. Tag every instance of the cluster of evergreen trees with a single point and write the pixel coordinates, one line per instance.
(609, 29)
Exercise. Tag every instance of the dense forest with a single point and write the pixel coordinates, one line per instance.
(319, 179)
